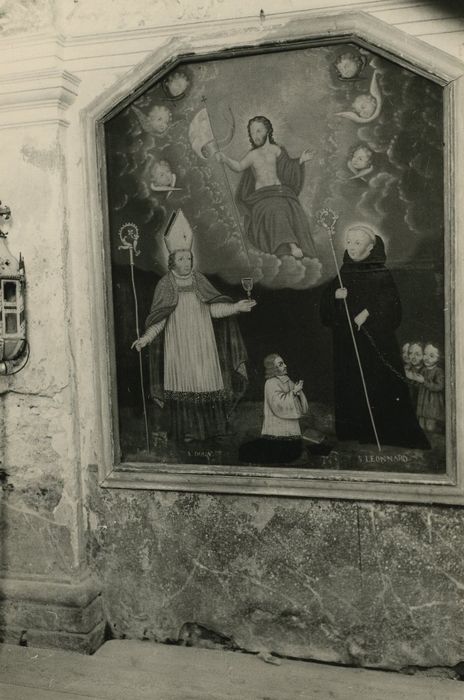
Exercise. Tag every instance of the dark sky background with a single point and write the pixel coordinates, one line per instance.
(301, 93)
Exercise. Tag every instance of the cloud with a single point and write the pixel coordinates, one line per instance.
(374, 199)
(402, 196)
(285, 272)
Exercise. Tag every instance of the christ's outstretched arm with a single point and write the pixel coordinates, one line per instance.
(237, 166)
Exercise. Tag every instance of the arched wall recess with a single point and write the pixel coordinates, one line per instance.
(378, 112)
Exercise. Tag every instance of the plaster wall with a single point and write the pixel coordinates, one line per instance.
(38, 437)
(364, 583)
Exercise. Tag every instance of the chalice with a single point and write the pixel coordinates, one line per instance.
(247, 284)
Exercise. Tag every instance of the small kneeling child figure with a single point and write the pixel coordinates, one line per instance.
(430, 400)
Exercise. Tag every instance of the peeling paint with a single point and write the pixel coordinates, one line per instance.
(44, 494)
(45, 159)
(25, 15)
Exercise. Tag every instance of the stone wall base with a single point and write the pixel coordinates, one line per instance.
(48, 614)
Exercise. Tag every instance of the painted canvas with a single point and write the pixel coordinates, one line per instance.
(277, 248)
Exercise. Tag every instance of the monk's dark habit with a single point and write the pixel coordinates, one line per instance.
(370, 286)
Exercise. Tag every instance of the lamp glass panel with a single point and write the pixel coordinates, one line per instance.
(11, 323)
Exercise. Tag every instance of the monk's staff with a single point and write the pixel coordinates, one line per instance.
(129, 235)
(327, 219)
(229, 187)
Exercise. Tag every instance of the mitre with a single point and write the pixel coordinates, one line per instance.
(178, 235)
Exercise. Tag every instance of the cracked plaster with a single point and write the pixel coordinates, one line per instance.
(43, 158)
(33, 543)
(79, 17)
(38, 437)
(17, 16)
(48, 427)
(84, 16)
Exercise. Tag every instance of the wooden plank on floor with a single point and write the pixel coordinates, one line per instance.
(128, 670)
(246, 673)
(21, 692)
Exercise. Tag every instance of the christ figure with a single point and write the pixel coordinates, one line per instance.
(268, 191)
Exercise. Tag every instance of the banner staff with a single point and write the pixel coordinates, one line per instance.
(327, 219)
(234, 204)
(129, 235)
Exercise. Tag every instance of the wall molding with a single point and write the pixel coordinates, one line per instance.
(46, 613)
(36, 97)
(122, 49)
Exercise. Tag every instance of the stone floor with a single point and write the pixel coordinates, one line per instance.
(132, 670)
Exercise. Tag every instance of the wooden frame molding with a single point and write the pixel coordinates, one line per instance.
(311, 30)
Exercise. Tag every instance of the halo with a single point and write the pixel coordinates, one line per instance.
(371, 230)
(254, 108)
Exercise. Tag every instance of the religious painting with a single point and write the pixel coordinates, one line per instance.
(277, 253)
